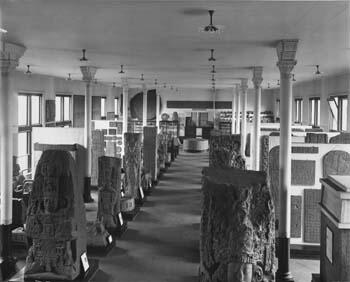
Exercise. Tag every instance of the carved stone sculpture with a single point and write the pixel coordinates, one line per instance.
(162, 149)
(237, 240)
(224, 151)
(109, 182)
(132, 164)
(342, 138)
(97, 148)
(264, 158)
(316, 138)
(336, 163)
(55, 220)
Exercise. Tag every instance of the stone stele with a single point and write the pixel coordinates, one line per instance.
(132, 164)
(336, 163)
(150, 150)
(237, 239)
(55, 220)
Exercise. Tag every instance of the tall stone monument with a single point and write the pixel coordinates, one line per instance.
(55, 220)
(150, 147)
(237, 240)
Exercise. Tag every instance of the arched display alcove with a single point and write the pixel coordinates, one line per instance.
(136, 105)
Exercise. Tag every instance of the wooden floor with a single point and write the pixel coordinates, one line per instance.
(162, 243)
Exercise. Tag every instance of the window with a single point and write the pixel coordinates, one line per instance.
(298, 110)
(116, 101)
(278, 109)
(315, 111)
(103, 107)
(203, 119)
(338, 106)
(63, 110)
(29, 116)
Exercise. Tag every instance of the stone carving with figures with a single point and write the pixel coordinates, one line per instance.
(55, 220)
(237, 241)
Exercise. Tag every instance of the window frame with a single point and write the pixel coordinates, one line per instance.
(63, 122)
(315, 119)
(298, 113)
(338, 119)
(104, 113)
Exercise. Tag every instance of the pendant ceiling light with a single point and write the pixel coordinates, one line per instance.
(293, 77)
(212, 59)
(69, 77)
(278, 82)
(83, 58)
(113, 85)
(317, 70)
(213, 69)
(121, 69)
(268, 85)
(28, 72)
(211, 28)
(142, 79)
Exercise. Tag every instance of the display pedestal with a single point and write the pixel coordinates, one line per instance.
(335, 228)
(84, 277)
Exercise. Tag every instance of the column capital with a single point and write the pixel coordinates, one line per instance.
(286, 52)
(10, 54)
(88, 72)
(244, 84)
(257, 76)
(144, 87)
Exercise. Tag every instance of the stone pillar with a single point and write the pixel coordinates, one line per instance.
(10, 55)
(238, 112)
(244, 88)
(144, 105)
(158, 108)
(233, 125)
(257, 79)
(286, 51)
(125, 104)
(88, 73)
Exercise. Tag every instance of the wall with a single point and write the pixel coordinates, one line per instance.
(323, 87)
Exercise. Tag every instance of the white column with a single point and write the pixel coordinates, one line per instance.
(257, 79)
(144, 105)
(233, 125)
(238, 112)
(125, 104)
(158, 108)
(110, 100)
(244, 88)
(10, 55)
(286, 51)
(88, 73)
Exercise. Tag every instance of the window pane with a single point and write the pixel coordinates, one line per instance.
(35, 109)
(22, 144)
(66, 114)
(58, 109)
(116, 106)
(344, 114)
(103, 106)
(312, 112)
(22, 162)
(22, 110)
(318, 113)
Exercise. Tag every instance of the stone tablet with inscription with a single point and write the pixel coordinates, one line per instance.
(295, 223)
(303, 172)
(55, 220)
(336, 163)
(312, 215)
(97, 150)
(150, 150)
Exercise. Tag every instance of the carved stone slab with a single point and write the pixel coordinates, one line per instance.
(111, 148)
(237, 226)
(342, 138)
(295, 224)
(336, 163)
(132, 164)
(150, 150)
(50, 107)
(162, 149)
(109, 182)
(303, 172)
(264, 152)
(97, 148)
(273, 176)
(224, 151)
(55, 220)
(316, 138)
(312, 213)
(305, 150)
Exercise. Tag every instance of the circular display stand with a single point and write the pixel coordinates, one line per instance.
(195, 145)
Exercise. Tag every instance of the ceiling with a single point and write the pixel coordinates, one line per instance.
(162, 39)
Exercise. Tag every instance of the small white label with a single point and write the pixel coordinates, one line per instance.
(121, 221)
(329, 244)
(141, 192)
(110, 239)
(85, 262)
(122, 194)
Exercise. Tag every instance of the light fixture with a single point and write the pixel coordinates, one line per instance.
(69, 77)
(113, 85)
(317, 70)
(268, 85)
(121, 69)
(278, 82)
(83, 58)
(28, 72)
(213, 69)
(142, 79)
(293, 77)
(211, 56)
(211, 28)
